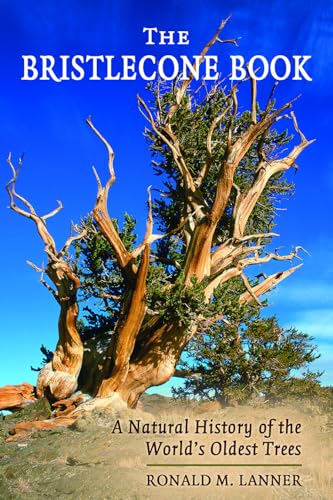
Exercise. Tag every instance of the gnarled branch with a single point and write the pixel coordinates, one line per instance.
(101, 214)
(60, 375)
(268, 284)
(266, 170)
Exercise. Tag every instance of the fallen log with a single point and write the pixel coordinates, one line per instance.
(16, 397)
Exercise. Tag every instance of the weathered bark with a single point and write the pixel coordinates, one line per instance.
(156, 362)
(128, 331)
(16, 397)
(58, 379)
(198, 255)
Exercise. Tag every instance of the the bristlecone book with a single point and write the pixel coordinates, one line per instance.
(166, 256)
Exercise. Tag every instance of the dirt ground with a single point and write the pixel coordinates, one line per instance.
(94, 460)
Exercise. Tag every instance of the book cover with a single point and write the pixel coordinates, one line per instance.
(166, 177)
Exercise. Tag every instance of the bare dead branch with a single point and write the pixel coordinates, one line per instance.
(270, 99)
(11, 185)
(233, 41)
(149, 228)
(50, 247)
(54, 212)
(253, 100)
(155, 237)
(260, 151)
(250, 289)
(59, 377)
(266, 170)
(182, 90)
(149, 238)
(258, 236)
(112, 177)
(205, 169)
(221, 278)
(36, 268)
(101, 213)
(98, 180)
(42, 281)
(187, 374)
(268, 284)
(74, 237)
(272, 256)
(234, 100)
(216, 318)
(235, 154)
(50, 289)
(116, 298)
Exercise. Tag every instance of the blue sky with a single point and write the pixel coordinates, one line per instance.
(46, 121)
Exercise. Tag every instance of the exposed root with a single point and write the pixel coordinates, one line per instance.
(65, 414)
(24, 429)
(66, 406)
(114, 400)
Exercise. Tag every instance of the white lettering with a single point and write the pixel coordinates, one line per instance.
(142, 71)
(47, 69)
(287, 69)
(211, 65)
(94, 59)
(161, 68)
(29, 68)
(183, 38)
(299, 68)
(150, 35)
(64, 68)
(167, 38)
(109, 75)
(77, 72)
(253, 73)
(237, 63)
(129, 65)
(190, 68)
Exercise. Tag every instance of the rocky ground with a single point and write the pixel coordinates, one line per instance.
(90, 461)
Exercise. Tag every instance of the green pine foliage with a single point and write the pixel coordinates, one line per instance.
(254, 360)
(102, 284)
(192, 122)
(241, 355)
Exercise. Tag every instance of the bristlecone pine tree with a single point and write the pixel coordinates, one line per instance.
(223, 174)
(251, 358)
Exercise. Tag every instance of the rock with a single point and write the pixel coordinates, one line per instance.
(37, 410)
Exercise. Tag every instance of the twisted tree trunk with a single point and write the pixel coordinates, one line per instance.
(58, 378)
